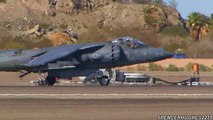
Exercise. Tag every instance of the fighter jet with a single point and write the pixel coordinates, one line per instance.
(67, 61)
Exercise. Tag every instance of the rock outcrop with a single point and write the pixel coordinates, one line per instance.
(84, 17)
(60, 38)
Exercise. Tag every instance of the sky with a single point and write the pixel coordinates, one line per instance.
(185, 7)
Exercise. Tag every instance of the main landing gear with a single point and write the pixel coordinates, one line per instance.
(102, 76)
(50, 81)
(45, 80)
(104, 81)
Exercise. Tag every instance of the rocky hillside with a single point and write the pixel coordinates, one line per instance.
(32, 23)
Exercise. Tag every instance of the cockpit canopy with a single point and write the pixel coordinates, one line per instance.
(129, 42)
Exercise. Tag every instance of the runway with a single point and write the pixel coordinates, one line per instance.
(103, 103)
(19, 101)
(110, 92)
(101, 109)
(106, 90)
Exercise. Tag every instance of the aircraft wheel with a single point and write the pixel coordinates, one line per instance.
(104, 81)
(50, 80)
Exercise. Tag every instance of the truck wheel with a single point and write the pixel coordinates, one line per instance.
(104, 81)
(50, 80)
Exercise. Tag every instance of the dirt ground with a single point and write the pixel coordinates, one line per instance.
(12, 78)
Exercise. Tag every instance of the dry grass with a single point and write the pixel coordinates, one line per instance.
(105, 33)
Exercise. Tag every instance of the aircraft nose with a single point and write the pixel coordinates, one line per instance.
(167, 54)
(163, 54)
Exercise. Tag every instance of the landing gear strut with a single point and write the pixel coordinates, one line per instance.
(45, 80)
(50, 81)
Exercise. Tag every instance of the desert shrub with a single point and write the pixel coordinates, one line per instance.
(132, 1)
(9, 42)
(42, 42)
(173, 46)
(141, 67)
(203, 67)
(175, 31)
(3, 1)
(188, 67)
(155, 18)
(149, 19)
(172, 68)
(210, 35)
(181, 69)
(140, 1)
(14, 45)
(95, 34)
(155, 67)
(44, 25)
(25, 43)
(63, 26)
(5, 36)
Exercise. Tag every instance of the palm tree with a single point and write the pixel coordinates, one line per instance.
(211, 21)
(198, 26)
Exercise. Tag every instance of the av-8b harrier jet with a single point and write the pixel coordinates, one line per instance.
(67, 61)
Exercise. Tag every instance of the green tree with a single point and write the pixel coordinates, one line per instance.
(172, 68)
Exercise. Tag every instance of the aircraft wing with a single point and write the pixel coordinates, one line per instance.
(53, 54)
(92, 46)
(59, 52)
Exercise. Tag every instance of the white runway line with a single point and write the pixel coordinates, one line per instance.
(105, 96)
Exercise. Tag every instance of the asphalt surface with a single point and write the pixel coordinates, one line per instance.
(103, 103)
(106, 90)
(101, 109)
(133, 102)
